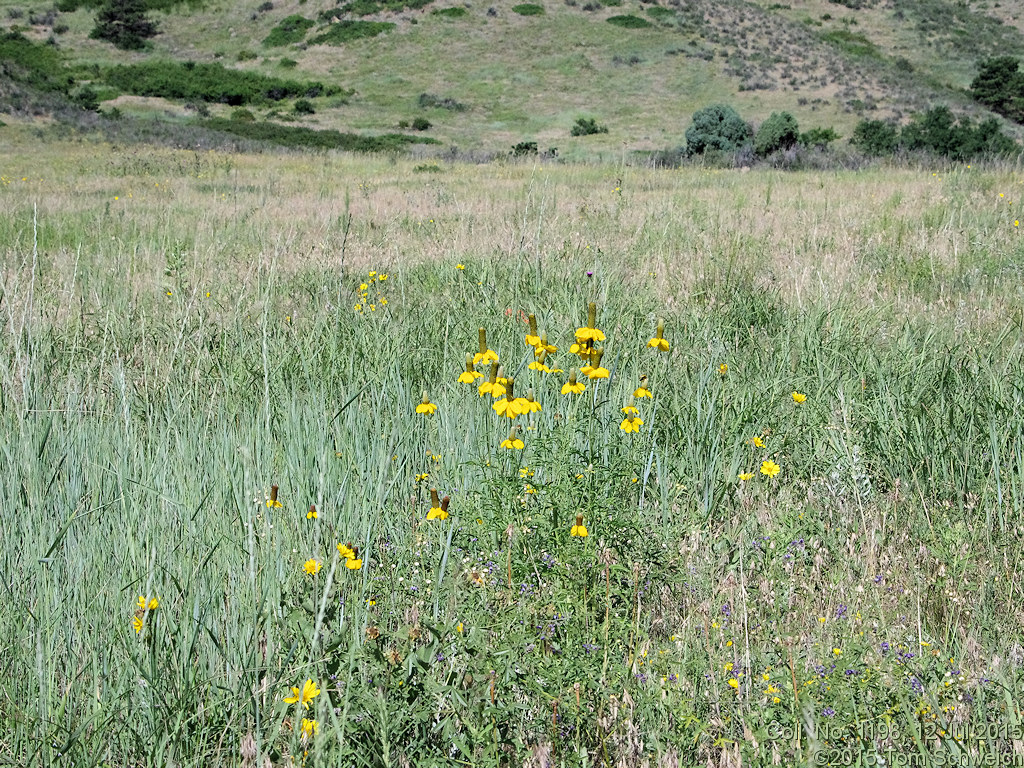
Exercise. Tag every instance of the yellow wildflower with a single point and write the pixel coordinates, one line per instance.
(469, 375)
(308, 692)
(425, 405)
(309, 728)
(485, 355)
(579, 529)
(659, 341)
(744, 476)
(798, 397)
(311, 567)
(769, 468)
(438, 507)
(572, 387)
(631, 425)
(512, 442)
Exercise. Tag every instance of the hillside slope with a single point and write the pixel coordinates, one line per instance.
(486, 77)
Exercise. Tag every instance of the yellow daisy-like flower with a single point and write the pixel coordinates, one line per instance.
(799, 397)
(631, 425)
(723, 369)
(309, 728)
(769, 468)
(659, 341)
(469, 375)
(757, 442)
(573, 387)
(309, 691)
(631, 410)
(460, 266)
(590, 333)
(459, 627)
(512, 442)
(579, 529)
(422, 476)
(312, 514)
(542, 346)
(744, 476)
(642, 392)
(272, 502)
(354, 563)
(137, 624)
(312, 567)
(425, 405)
(734, 683)
(346, 551)
(148, 605)
(485, 355)
(532, 338)
(598, 373)
(438, 507)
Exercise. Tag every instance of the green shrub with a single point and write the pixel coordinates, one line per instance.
(341, 32)
(663, 15)
(124, 24)
(292, 29)
(528, 9)
(295, 136)
(429, 100)
(421, 124)
(587, 126)
(34, 64)
(370, 7)
(450, 13)
(243, 115)
(288, 63)
(524, 148)
(304, 107)
(717, 127)
(211, 82)
(427, 168)
(247, 55)
(629, 22)
(1000, 87)
(938, 132)
(875, 137)
(852, 43)
(780, 131)
(819, 137)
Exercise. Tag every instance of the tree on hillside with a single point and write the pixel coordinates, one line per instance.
(125, 24)
(1000, 87)
(718, 127)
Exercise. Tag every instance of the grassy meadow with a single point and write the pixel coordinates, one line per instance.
(803, 548)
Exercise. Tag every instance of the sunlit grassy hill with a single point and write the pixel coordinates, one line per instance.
(486, 77)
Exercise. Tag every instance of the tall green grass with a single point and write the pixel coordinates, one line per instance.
(174, 354)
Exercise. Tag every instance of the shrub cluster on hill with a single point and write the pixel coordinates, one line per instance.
(345, 31)
(291, 29)
(210, 82)
(34, 64)
(935, 131)
(999, 85)
(296, 136)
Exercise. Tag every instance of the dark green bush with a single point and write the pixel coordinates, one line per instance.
(345, 31)
(819, 137)
(243, 115)
(421, 124)
(369, 7)
(34, 64)
(718, 128)
(304, 107)
(211, 82)
(938, 132)
(852, 43)
(629, 22)
(292, 29)
(999, 85)
(294, 136)
(587, 126)
(663, 15)
(528, 9)
(429, 100)
(524, 148)
(125, 24)
(286, 63)
(247, 55)
(780, 131)
(450, 13)
(875, 137)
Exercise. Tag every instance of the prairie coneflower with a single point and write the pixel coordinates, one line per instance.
(311, 515)
(485, 355)
(597, 371)
(469, 375)
(354, 563)
(642, 390)
(425, 405)
(590, 332)
(272, 502)
(543, 346)
(508, 406)
(512, 442)
(530, 405)
(579, 529)
(438, 507)
(532, 339)
(573, 387)
(659, 341)
(486, 386)
(631, 424)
